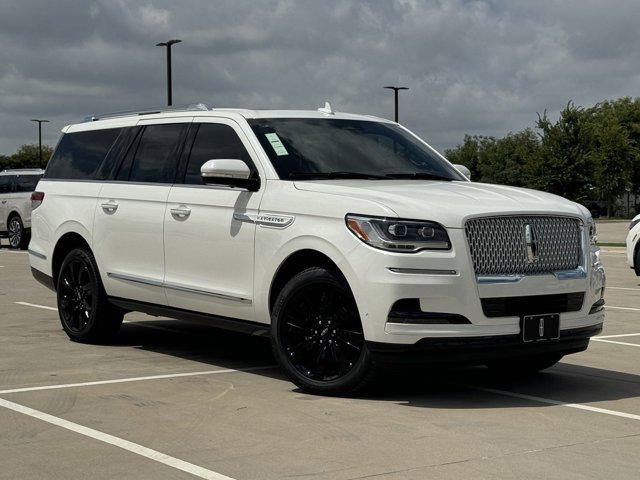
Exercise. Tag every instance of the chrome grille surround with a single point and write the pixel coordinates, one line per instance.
(498, 245)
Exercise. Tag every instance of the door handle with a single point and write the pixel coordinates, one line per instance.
(181, 212)
(109, 207)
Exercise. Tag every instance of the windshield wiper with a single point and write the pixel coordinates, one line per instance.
(335, 175)
(419, 176)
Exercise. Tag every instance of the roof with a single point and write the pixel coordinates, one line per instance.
(128, 119)
(22, 171)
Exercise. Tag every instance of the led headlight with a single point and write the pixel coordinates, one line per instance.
(593, 232)
(634, 222)
(399, 235)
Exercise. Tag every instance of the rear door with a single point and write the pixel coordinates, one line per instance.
(24, 185)
(208, 237)
(128, 227)
(6, 183)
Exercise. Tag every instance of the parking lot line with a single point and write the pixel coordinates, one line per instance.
(551, 401)
(44, 307)
(135, 379)
(622, 308)
(621, 288)
(117, 442)
(620, 335)
(617, 343)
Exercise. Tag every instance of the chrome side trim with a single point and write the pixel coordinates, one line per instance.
(421, 271)
(134, 279)
(37, 254)
(265, 219)
(499, 278)
(224, 296)
(176, 286)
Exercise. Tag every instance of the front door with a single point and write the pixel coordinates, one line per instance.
(6, 185)
(209, 244)
(130, 213)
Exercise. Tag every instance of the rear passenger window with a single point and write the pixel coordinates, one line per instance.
(27, 183)
(156, 158)
(214, 141)
(5, 183)
(79, 154)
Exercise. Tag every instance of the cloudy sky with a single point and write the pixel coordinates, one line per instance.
(481, 67)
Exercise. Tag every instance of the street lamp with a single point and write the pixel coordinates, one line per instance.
(40, 122)
(395, 92)
(168, 45)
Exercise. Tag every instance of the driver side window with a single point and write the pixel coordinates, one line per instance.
(214, 141)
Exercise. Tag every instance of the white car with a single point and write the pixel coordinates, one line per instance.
(346, 238)
(15, 204)
(633, 244)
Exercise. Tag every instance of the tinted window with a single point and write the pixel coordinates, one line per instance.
(214, 141)
(79, 155)
(156, 158)
(27, 183)
(305, 147)
(5, 183)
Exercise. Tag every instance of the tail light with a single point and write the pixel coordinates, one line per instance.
(36, 199)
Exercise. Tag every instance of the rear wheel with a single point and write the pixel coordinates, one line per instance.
(524, 366)
(85, 313)
(636, 260)
(317, 335)
(18, 237)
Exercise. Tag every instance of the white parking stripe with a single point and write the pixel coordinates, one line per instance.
(44, 307)
(622, 308)
(135, 379)
(550, 401)
(621, 288)
(117, 442)
(617, 343)
(618, 336)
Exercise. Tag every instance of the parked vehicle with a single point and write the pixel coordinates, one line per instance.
(633, 244)
(15, 204)
(348, 239)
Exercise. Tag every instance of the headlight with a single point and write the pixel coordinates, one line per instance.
(634, 222)
(395, 235)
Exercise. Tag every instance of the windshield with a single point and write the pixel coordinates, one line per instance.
(309, 148)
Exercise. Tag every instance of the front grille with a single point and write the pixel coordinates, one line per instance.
(524, 244)
(532, 304)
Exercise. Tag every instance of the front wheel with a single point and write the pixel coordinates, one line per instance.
(85, 313)
(636, 261)
(524, 366)
(317, 335)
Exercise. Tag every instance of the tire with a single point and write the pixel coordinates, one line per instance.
(636, 260)
(85, 314)
(18, 236)
(317, 335)
(524, 366)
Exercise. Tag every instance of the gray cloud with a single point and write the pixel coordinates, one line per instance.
(473, 66)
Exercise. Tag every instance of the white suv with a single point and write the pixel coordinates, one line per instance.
(15, 204)
(633, 244)
(349, 240)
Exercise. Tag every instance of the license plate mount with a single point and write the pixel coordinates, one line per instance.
(540, 328)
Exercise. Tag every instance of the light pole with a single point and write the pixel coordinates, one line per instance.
(40, 122)
(395, 93)
(168, 45)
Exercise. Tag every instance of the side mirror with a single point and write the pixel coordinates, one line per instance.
(234, 173)
(463, 170)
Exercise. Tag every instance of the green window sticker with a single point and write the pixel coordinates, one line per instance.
(276, 143)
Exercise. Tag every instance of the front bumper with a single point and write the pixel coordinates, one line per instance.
(444, 282)
(480, 350)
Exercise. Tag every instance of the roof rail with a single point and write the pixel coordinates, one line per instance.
(183, 108)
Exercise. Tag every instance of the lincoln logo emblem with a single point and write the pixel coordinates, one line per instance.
(532, 243)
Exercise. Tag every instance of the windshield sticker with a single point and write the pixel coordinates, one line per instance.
(276, 143)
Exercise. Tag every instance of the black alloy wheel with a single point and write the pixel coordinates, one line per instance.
(85, 314)
(318, 336)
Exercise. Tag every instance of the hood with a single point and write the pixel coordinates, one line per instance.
(448, 203)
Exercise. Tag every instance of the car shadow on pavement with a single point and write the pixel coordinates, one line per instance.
(437, 388)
